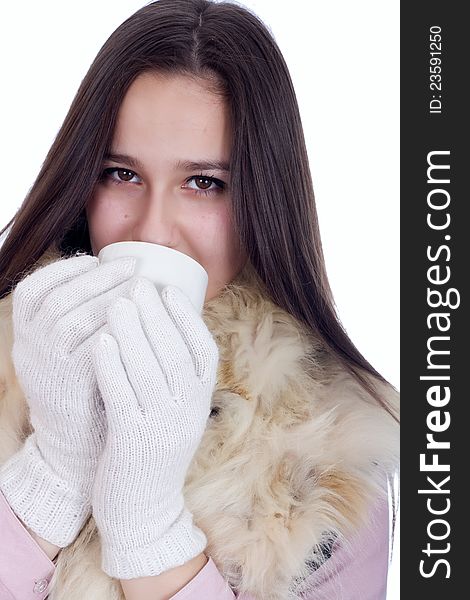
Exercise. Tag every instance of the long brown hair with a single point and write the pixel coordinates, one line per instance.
(271, 187)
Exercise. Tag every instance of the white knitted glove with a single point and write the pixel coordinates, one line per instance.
(156, 373)
(58, 311)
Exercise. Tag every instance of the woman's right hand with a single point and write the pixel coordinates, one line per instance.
(58, 312)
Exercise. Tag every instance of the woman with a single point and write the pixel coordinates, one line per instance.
(152, 452)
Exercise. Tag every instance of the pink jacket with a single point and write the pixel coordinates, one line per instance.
(356, 573)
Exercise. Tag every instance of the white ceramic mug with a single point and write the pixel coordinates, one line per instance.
(163, 266)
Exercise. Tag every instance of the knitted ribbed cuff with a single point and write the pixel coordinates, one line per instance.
(42, 500)
(182, 542)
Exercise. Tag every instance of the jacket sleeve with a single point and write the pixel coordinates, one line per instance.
(356, 570)
(209, 584)
(25, 569)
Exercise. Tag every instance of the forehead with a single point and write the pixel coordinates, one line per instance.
(174, 112)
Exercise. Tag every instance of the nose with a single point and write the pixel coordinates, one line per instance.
(156, 223)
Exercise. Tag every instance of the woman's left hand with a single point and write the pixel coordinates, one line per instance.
(156, 373)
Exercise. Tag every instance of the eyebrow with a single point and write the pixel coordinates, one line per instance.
(184, 165)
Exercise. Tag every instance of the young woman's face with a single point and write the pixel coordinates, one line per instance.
(150, 192)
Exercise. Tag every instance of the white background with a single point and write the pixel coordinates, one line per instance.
(344, 61)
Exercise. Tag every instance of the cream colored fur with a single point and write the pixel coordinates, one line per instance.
(297, 449)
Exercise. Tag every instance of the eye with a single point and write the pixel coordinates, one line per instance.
(206, 183)
(124, 175)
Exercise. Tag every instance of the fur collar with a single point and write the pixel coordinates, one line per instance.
(294, 450)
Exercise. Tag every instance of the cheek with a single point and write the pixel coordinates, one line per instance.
(107, 221)
(216, 234)
(218, 249)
